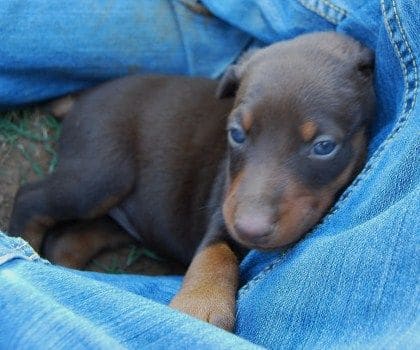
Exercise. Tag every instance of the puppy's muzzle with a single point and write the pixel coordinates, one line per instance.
(254, 228)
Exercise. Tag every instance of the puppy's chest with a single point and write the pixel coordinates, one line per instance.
(167, 208)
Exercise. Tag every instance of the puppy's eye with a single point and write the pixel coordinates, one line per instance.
(237, 135)
(324, 147)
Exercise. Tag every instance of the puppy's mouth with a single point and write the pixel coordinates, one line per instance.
(268, 242)
(260, 243)
(266, 245)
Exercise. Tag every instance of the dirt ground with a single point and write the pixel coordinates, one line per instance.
(28, 140)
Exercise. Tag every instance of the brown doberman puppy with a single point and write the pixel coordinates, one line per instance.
(202, 179)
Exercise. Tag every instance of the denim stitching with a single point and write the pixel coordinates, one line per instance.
(262, 273)
(34, 256)
(325, 9)
(410, 53)
(318, 11)
(408, 93)
(21, 255)
(340, 10)
(21, 249)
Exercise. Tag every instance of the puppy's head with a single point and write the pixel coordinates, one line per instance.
(297, 134)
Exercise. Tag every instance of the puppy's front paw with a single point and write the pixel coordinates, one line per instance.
(214, 308)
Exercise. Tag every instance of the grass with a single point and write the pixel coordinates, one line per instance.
(134, 255)
(29, 131)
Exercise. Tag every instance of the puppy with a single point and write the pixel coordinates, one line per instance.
(203, 180)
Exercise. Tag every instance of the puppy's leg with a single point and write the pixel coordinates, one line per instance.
(77, 190)
(209, 288)
(75, 244)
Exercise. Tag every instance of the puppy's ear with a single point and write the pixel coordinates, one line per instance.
(364, 65)
(365, 62)
(229, 83)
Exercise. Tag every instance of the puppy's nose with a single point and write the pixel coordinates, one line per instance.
(253, 227)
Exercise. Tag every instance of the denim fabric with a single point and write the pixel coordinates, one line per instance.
(351, 283)
(49, 48)
(46, 307)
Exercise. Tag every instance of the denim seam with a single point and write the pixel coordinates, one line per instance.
(34, 256)
(325, 9)
(264, 272)
(20, 254)
(410, 53)
(393, 17)
(340, 10)
(21, 249)
(22, 246)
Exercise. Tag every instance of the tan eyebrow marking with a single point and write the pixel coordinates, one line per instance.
(308, 130)
(247, 121)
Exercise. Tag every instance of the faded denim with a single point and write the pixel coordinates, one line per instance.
(351, 283)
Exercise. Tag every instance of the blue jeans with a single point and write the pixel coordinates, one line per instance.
(352, 282)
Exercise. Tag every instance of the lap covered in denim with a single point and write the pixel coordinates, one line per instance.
(45, 306)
